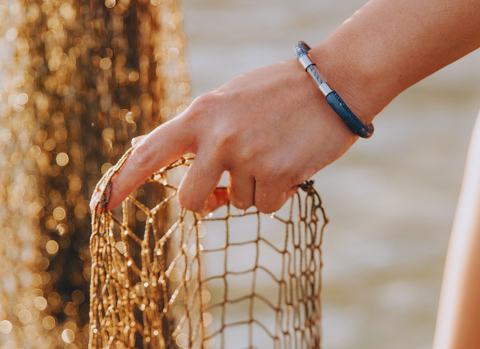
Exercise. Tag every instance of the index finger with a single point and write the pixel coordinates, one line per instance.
(164, 145)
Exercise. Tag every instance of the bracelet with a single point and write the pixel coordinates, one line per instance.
(332, 98)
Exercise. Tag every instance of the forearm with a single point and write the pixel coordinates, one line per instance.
(459, 314)
(387, 46)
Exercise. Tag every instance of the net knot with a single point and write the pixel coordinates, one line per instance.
(105, 198)
(307, 187)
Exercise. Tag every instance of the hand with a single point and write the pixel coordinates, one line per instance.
(270, 128)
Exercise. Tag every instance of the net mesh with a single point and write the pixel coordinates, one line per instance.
(165, 277)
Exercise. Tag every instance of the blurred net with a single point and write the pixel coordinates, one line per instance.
(78, 80)
(251, 282)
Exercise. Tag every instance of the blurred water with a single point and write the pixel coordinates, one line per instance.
(391, 199)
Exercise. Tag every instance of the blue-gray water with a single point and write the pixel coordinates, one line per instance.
(390, 199)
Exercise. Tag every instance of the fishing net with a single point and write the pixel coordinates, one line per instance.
(78, 80)
(165, 277)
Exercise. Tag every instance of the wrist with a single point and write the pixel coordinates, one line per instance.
(331, 96)
(350, 78)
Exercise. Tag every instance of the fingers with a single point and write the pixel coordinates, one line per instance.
(158, 149)
(241, 190)
(199, 183)
(270, 198)
(221, 197)
(217, 199)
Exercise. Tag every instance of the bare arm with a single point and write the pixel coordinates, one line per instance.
(271, 129)
(388, 46)
(459, 312)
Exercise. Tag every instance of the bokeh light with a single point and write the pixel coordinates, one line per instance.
(77, 82)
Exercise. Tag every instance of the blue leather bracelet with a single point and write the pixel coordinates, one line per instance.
(332, 98)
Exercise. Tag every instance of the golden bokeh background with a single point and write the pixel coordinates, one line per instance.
(79, 80)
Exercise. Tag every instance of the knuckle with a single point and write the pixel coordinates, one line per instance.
(188, 201)
(272, 196)
(224, 139)
(246, 155)
(203, 102)
(268, 208)
(240, 204)
(265, 204)
(143, 157)
(241, 198)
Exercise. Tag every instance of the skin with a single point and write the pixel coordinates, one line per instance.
(271, 129)
(459, 312)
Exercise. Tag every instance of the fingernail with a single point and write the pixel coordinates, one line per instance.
(137, 140)
(94, 200)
